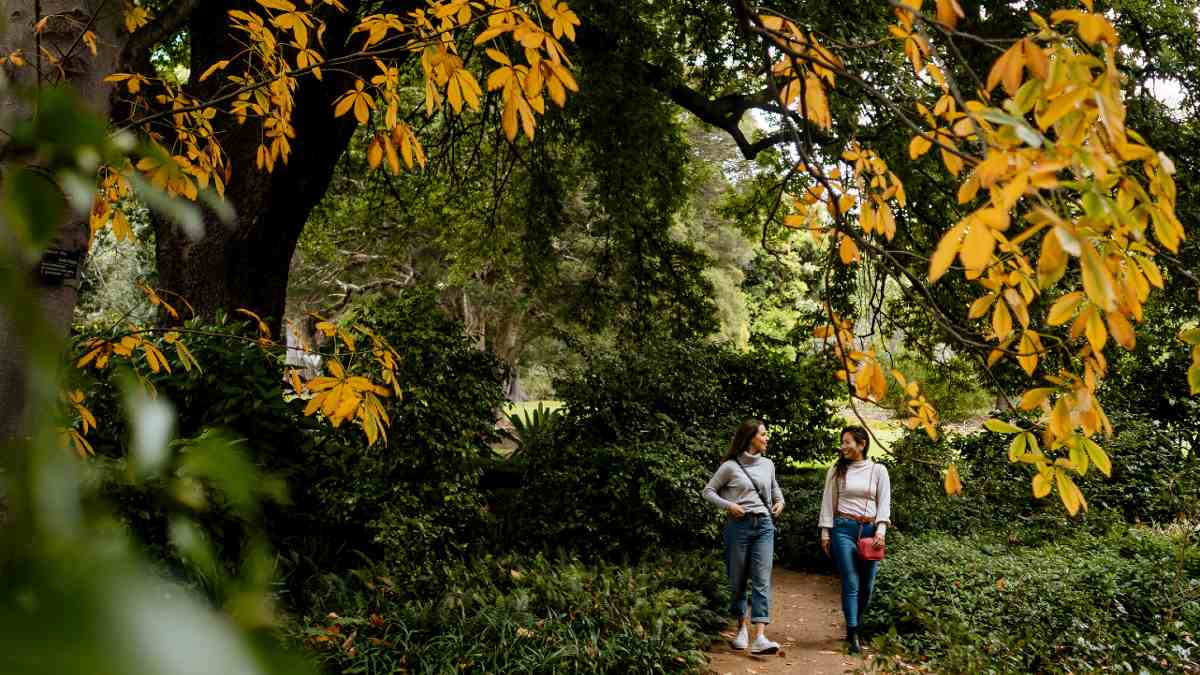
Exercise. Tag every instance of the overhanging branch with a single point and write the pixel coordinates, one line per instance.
(166, 24)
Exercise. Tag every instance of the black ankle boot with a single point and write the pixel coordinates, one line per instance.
(852, 639)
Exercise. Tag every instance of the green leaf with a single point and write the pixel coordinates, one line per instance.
(1001, 427)
(1191, 336)
(1194, 379)
(33, 205)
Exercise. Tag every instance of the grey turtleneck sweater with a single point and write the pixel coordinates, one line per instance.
(729, 485)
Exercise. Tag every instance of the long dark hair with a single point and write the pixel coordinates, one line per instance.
(861, 436)
(741, 438)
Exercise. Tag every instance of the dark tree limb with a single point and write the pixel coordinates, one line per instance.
(170, 21)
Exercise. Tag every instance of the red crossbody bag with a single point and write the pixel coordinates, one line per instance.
(866, 545)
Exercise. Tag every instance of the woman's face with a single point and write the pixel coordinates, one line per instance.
(758, 444)
(851, 449)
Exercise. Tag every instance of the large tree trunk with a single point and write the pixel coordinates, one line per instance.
(244, 264)
(84, 73)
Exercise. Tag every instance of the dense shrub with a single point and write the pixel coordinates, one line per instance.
(657, 390)
(1084, 604)
(522, 615)
(618, 499)
(798, 544)
(1152, 481)
(414, 499)
(417, 498)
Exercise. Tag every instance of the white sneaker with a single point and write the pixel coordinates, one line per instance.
(763, 646)
(742, 639)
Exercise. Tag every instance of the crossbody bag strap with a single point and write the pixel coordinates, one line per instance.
(762, 498)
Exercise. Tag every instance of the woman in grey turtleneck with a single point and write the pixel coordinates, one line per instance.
(745, 486)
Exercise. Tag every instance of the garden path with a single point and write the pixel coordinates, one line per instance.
(808, 626)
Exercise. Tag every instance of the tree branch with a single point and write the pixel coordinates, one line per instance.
(163, 26)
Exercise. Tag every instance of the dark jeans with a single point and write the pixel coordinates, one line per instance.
(749, 550)
(858, 576)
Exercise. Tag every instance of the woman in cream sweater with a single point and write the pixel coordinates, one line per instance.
(857, 503)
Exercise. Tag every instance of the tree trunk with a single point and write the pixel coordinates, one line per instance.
(244, 264)
(84, 73)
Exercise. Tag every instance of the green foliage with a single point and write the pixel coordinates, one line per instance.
(621, 499)
(661, 389)
(1126, 603)
(798, 543)
(643, 431)
(951, 385)
(77, 595)
(415, 499)
(518, 614)
(1152, 480)
(535, 427)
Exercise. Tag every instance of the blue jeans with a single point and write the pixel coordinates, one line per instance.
(858, 576)
(749, 550)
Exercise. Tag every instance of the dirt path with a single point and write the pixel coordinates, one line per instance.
(807, 624)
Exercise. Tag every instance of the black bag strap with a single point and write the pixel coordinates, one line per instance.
(761, 497)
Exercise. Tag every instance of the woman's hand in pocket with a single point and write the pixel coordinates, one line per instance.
(737, 510)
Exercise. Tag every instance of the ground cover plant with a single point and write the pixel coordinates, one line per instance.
(1125, 602)
(529, 614)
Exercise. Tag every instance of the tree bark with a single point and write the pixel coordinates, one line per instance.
(244, 264)
(84, 73)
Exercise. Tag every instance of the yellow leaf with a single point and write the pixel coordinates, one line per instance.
(1097, 335)
(993, 218)
(219, 65)
(1001, 321)
(952, 161)
(847, 250)
(1001, 427)
(374, 153)
(389, 152)
(1034, 397)
(1121, 330)
(952, 483)
(1064, 308)
(1052, 263)
(977, 248)
(949, 12)
(1007, 68)
(815, 103)
(1071, 497)
(1036, 60)
(969, 188)
(1060, 418)
(1017, 304)
(947, 248)
(1028, 353)
(919, 146)
(981, 305)
(1098, 456)
(1063, 104)
(1041, 485)
(1097, 282)
(1151, 271)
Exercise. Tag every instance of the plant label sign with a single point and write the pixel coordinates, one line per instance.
(59, 265)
